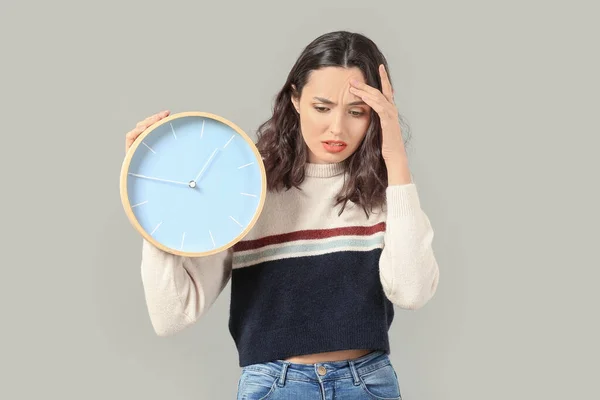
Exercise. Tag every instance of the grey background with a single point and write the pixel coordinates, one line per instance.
(502, 103)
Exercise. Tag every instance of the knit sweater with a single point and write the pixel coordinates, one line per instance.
(304, 279)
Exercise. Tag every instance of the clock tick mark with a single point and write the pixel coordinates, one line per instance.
(154, 230)
(173, 130)
(149, 147)
(229, 141)
(202, 131)
(211, 238)
(139, 204)
(236, 221)
(182, 240)
(248, 194)
(245, 165)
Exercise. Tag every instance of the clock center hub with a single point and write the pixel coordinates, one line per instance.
(192, 184)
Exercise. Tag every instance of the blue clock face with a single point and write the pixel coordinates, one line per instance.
(194, 183)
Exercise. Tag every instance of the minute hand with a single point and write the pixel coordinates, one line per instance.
(205, 165)
(159, 179)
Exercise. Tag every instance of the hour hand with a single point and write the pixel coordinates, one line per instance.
(159, 179)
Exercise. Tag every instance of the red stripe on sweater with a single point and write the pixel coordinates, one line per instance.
(309, 234)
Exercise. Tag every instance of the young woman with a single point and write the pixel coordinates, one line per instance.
(342, 238)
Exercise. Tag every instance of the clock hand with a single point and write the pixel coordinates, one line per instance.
(158, 179)
(205, 165)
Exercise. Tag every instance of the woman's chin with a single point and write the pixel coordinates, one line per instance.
(328, 158)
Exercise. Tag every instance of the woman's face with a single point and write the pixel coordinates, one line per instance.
(333, 121)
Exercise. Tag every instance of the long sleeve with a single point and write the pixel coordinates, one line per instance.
(179, 290)
(409, 272)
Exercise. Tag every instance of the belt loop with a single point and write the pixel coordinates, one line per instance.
(354, 373)
(283, 374)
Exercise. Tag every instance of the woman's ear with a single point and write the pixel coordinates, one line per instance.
(295, 99)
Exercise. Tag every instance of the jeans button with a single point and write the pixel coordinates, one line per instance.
(321, 370)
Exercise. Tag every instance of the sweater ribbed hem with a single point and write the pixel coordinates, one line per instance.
(263, 346)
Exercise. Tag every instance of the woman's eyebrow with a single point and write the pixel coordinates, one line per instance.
(327, 101)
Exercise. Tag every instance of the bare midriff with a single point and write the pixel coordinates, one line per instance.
(340, 355)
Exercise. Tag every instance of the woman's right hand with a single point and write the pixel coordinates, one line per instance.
(141, 126)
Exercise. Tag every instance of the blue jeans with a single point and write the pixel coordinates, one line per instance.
(369, 377)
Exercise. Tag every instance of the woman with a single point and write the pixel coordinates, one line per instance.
(341, 239)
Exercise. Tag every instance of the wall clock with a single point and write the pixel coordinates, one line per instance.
(193, 184)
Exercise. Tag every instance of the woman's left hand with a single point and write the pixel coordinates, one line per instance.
(392, 147)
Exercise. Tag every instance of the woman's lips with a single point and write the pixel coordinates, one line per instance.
(334, 146)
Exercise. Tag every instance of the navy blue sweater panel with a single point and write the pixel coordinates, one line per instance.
(309, 304)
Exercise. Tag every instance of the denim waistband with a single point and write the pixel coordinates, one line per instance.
(322, 371)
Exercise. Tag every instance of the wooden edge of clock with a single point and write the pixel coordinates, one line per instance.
(125, 197)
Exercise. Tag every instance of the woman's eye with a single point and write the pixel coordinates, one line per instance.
(353, 113)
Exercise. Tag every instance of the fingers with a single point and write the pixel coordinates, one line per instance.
(152, 119)
(141, 126)
(360, 89)
(372, 101)
(371, 91)
(386, 93)
(386, 85)
(377, 102)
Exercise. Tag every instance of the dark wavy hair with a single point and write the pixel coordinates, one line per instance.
(280, 141)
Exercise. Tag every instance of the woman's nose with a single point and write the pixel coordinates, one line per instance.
(337, 124)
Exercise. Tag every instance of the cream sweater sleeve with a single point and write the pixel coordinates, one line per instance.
(408, 269)
(179, 290)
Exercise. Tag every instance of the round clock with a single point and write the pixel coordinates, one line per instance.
(193, 184)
